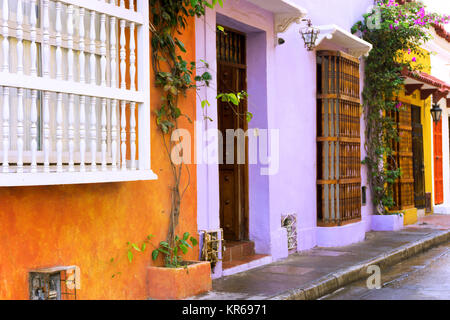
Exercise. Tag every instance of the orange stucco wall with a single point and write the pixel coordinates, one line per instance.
(87, 225)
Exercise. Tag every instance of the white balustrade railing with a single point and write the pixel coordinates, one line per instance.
(68, 114)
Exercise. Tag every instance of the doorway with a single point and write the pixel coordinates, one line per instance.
(438, 163)
(418, 158)
(233, 175)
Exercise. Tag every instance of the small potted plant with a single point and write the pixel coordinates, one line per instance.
(177, 278)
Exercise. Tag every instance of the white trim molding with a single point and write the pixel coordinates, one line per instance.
(336, 36)
(286, 12)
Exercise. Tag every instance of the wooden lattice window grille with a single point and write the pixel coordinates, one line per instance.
(231, 46)
(403, 188)
(338, 139)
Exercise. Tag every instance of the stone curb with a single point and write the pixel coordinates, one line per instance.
(331, 282)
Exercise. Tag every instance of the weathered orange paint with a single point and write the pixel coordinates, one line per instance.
(179, 283)
(87, 225)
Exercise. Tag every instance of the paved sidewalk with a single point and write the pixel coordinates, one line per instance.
(320, 271)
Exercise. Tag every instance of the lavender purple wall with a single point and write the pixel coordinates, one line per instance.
(282, 88)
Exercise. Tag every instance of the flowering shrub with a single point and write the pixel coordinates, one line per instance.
(396, 32)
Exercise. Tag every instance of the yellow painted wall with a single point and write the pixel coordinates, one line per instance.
(426, 121)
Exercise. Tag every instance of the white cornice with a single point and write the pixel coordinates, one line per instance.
(285, 12)
(335, 35)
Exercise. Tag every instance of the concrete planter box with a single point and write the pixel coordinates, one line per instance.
(392, 222)
(179, 283)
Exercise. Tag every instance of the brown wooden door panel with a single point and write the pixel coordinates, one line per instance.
(233, 177)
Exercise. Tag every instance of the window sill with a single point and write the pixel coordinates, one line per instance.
(65, 178)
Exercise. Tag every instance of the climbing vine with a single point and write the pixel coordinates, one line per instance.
(396, 32)
(174, 76)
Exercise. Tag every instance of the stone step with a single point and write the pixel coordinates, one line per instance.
(245, 263)
(237, 250)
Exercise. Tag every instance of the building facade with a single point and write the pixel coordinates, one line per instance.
(312, 171)
(83, 172)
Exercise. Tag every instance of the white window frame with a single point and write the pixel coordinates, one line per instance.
(9, 176)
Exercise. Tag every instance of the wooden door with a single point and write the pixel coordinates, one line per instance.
(403, 158)
(418, 164)
(438, 175)
(233, 175)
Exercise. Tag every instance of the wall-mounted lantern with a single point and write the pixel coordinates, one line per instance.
(309, 35)
(436, 113)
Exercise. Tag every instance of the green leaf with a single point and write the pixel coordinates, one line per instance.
(130, 256)
(185, 243)
(166, 252)
(194, 241)
(144, 245)
(183, 248)
(164, 244)
(185, 235)
(205, 103)
(155, 254)
(135, 247)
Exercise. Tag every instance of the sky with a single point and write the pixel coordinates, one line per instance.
(439, 6)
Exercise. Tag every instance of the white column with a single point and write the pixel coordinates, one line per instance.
(123, 135)
(5, 69)
(33, 71)
(70, 61)
(104, 135)
(82, 133)
(45, 39)
(92, 48)
(70, 64)
(114, 135)
(59, 132)
(133, 135)
(59, 96)
(58, 38)
(46, 116)
(93, 134)
(5, 33)
(113, 51)
(46, 74)
(103, 50)
(33, 130)
(20, 130)
(33, 52)
(71, 133)
(81, 57)
(132, 58)
(5, 164)
(123, 53)
(19, 32)
(143, 83)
